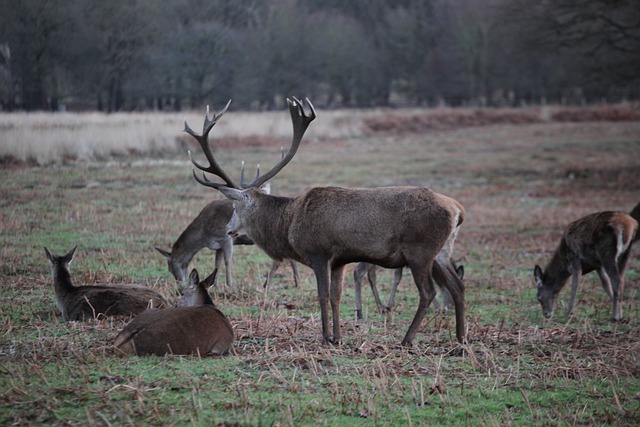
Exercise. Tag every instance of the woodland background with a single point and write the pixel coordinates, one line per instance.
(125, 55)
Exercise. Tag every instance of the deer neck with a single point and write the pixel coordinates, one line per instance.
(62, 285)
(268, 226)
(186, 247)
(558, 270)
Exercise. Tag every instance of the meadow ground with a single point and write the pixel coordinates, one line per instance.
(521, 182)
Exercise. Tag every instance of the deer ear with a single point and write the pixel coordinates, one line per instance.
(537, 275)
(266, 187)
(68, 257)
(231, 193)
(164, 253)
(211, 279)
(194, 278)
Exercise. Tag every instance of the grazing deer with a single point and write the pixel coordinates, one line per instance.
(370, 270)
(601, 242)
(208, 230)
(88, 302)
(196, 326)
(329, 227)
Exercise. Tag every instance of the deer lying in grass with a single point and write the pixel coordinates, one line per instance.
(209, 230)
(89, 302)
(364, 268)
(329, 227)
(600, 241)
(196, 326)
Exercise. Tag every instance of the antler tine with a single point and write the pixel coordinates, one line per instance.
(300, 121)
(205, 181)
(242, 182)
(203, 140)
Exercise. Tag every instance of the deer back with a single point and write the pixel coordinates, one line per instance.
(599, 235)
(364, 225)
(194, 329)
(180, 330)
(89, 302)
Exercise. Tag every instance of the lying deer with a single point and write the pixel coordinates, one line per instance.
(370, 270)
(89, 302)
(329, 227)
(196, 326)
(208, 230)
(600, 241)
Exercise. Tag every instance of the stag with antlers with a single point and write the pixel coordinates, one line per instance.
(329, 227)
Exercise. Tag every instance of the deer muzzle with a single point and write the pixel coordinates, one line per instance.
(234, 228)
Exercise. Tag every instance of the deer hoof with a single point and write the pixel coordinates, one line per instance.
(406, 343)
(330, 341)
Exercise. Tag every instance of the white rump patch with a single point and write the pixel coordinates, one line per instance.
(622, 245)
(444, 256)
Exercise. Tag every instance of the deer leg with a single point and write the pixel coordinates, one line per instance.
(422, 277)
(616, 285)
(445, 274)
(575, 281)
(337, 278)
(274, 267)
(227, 250)
(320, 267)
(358, 274)
(606, 282)
(373, 284)
(296, 276)
(397, 277)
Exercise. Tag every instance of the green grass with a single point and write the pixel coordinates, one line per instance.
(516, 368)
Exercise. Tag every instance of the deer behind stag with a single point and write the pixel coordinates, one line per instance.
(364, 268)
(329, 227)
(601, 242)
(209, 230)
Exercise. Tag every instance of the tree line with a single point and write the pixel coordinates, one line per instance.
(122, 55)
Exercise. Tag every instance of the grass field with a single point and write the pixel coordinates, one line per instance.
(520, 182)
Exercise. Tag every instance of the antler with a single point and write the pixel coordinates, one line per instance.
(300, 122)
(242, 182)
(203, 140)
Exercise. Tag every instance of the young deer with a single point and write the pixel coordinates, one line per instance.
(370, 270)
(88, 302)
(601, 242)
(196, 326)
(329, 227)
(209, 230)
